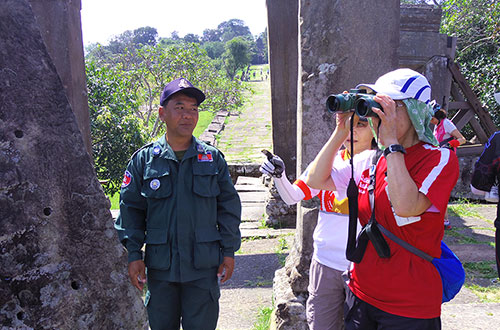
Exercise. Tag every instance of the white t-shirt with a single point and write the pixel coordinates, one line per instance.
(330, 234)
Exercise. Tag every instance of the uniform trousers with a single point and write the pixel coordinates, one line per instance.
(325, 305)
(195, 305)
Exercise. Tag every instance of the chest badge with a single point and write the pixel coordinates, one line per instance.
(156, 150)
(154, 184)
(205, 157)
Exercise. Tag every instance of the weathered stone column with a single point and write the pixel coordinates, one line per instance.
(60, 25)
(61, 265)
(283, 58)
(342, 43)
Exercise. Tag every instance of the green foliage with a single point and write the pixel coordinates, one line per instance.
(124, 91)
(263, 319)
(236, 56)
(116, 132)
(476, 24)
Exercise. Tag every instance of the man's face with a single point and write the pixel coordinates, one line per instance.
(180, 114)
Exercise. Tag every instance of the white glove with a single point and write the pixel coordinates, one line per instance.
(274, 167)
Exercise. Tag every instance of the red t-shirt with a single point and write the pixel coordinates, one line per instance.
(406, 284)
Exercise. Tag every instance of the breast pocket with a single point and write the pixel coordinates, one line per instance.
(205, 180)
(158, 252)
(207, 248)
(157, 182)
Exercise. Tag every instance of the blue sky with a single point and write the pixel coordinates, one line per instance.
(102, 19)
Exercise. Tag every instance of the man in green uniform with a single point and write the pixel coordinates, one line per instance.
(177, 198)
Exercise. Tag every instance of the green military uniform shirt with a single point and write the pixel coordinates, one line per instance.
(187, 211)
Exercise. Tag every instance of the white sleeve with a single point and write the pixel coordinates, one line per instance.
(477, 191)
(289, 193)
(449, 126)
(294, 193)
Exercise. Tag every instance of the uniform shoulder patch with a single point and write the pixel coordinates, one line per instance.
(127, 178)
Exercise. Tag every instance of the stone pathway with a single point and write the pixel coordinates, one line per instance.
(245, 135)
(250, 288)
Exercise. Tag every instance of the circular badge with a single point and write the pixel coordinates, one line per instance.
(156, 150)
(155, 184)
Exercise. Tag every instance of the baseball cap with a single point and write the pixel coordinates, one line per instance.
(181, 84)
(402, 84)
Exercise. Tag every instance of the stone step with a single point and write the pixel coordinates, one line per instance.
(265, 232)
(252, 212)
(252, 197)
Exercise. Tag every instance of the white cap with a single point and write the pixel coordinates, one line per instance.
(402, 84)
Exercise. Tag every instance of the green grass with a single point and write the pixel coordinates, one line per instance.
(204, 119)
(115, 201)
(490, 294)
(263, 319)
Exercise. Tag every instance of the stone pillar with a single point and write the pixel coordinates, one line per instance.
(342, 43)
(60, 25)
(282, 39)
(61, 265)
(424, 49)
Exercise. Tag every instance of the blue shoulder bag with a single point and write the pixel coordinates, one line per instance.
(448, 265)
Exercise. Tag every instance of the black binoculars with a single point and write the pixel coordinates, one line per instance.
(356, 100)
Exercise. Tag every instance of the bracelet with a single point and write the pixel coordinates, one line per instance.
(394, 148)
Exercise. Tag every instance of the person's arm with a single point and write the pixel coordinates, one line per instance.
(131, 222)
(458, 136)
(487, 166)
(320, 170)
(228, 219)
(290, 193)
(406, 199)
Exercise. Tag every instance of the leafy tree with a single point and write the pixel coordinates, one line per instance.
(236, 56)
(214, 49)
(190, 37)
(259, 49)
(476, 24)
(116, 132)
(211, 35)
(233, 28)
(145, 36)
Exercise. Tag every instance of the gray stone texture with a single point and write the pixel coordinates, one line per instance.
(282, 27)
(61, 266)
(60, 27)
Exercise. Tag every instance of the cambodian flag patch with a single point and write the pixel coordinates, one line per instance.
(127, 177)
(205, 157)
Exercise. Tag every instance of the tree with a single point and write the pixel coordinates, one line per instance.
(259, 49)
(211, 35)
(116, 132)
(233, 28)
(190, 37)
(214, 49)
(476, 24)
(145, 36)
(236, 56)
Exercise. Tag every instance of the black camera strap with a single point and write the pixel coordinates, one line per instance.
(356, 246)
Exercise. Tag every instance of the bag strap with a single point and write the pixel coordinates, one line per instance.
(405, 244)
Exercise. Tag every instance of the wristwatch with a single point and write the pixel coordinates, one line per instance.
(394, 148)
